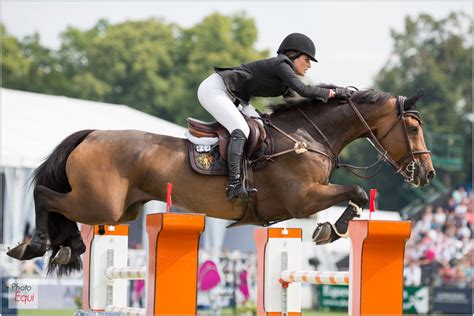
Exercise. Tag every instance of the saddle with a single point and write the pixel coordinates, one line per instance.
(211, 159)
(215, 129)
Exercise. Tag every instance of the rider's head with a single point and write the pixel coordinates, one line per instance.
(297, 44)
(300, 49)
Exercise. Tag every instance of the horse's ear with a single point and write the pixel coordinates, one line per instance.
(412, 101)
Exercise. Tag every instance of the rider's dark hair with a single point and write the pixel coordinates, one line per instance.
(292, 55)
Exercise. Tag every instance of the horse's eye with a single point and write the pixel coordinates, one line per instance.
(413, 130)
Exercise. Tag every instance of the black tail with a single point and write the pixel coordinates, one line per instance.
(52, 174)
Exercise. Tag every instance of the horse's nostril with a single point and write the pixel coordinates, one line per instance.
(431, 174)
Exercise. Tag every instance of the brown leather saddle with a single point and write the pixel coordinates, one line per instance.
(215, 129)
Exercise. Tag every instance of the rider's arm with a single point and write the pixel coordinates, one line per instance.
(287, 74)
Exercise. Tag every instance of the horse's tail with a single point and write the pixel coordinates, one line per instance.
(52, 174)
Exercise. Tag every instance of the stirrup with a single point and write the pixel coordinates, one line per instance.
(238, 191)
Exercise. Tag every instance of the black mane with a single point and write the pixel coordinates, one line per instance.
(370, 96)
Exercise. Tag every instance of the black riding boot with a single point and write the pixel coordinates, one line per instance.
(235, 156)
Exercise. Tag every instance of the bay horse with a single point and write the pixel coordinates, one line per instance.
(100, 177)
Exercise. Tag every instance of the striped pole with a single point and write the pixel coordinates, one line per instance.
(129, 273)
(316, 277)
(375, 276)
(126, 311)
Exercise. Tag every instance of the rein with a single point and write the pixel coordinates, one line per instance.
(408, 174)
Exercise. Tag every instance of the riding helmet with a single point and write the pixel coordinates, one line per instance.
(298, 42)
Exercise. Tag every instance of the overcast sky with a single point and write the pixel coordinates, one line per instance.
(352, 38)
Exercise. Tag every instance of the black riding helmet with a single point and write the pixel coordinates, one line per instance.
(300, 43)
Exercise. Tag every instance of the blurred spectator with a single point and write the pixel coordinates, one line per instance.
(460, 280)
(459, 194)
(441, 245)
(412, 274)
(439, 217)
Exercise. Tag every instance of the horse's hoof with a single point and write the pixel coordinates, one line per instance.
(63, 256)
(324, 234)
(26, 251)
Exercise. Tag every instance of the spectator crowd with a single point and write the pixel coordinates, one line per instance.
(440, 250)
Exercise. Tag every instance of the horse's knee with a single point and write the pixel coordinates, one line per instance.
(360, 196)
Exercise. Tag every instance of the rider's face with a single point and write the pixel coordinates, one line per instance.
(302, 64)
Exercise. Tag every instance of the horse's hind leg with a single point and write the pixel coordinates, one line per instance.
(49, 206)
(36, 246)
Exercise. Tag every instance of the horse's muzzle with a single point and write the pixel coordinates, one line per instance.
(422, 175)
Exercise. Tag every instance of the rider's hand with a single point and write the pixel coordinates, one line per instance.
(332, 94)
(343, 93)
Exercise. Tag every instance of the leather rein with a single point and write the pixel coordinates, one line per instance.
(407, 173)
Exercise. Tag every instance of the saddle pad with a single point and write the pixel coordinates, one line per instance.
(207, 161)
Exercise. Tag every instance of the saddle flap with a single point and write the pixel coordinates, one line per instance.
(256, 137)
(195, 125)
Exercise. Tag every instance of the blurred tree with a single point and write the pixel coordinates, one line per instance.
(435, 55)
(151, 65)
(15, 66)
(217, 41)
(74, 56)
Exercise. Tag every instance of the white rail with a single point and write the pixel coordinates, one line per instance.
(316, 277)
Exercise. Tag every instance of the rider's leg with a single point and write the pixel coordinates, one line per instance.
(249, 111)
(235, 157)
(214, 98)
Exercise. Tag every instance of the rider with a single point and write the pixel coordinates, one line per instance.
(226, 95)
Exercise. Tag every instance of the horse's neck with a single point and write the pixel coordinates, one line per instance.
(339, 123)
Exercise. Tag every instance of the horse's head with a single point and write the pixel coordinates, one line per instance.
(401, 135)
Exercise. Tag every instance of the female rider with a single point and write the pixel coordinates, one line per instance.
(226, 95)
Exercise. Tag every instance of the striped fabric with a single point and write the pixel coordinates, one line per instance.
(316, 277)
(128, 273)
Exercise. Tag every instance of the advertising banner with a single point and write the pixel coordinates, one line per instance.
(336, 297)
(452, 300)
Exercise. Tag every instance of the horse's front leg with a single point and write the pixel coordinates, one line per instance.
(317, 197)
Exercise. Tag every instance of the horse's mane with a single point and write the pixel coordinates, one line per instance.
(370, 96)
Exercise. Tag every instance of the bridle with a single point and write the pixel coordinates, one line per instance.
(407, 173)
(402, 115)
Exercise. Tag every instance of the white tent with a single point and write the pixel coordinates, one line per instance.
(33, 124)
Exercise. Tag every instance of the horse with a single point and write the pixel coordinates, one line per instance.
(99, 177)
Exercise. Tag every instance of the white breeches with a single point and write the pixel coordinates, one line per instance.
(214, 97)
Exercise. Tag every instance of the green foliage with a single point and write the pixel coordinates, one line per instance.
(151, 65)
(434, 55)
(15, 66)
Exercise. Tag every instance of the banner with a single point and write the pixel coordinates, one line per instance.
(333, 297)
(452, 300)
(415, 300)
(336, 297)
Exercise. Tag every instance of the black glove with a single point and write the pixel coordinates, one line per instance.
(343, 93)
